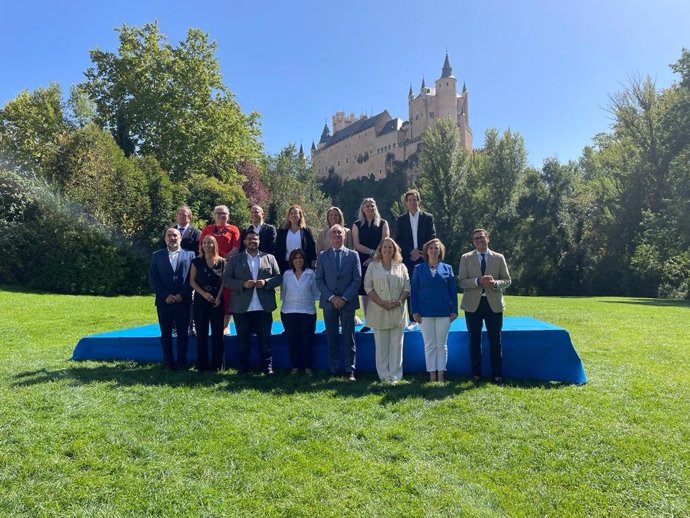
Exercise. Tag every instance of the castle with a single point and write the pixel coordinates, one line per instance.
(372, 145)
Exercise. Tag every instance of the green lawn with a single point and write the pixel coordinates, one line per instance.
(122, 439)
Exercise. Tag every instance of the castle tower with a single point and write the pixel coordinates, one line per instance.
(446, 102)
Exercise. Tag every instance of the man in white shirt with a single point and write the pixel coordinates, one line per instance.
(252, 277)
(169, 278)
(266, 232)
(412, 230)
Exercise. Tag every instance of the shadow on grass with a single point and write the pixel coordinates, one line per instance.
(126, 374)
(652, 302)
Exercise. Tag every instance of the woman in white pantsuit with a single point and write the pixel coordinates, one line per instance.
(434, 305)
(387, 284)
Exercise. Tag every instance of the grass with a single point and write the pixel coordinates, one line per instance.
(124, 439)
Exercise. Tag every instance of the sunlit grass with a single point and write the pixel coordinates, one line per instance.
(124, 439)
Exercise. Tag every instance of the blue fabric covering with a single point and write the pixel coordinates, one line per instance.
(532, 349)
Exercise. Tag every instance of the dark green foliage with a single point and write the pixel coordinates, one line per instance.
(170, 102)
(51, 245)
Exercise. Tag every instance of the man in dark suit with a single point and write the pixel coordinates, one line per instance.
(169, 278)
(252, 277)
(267, 233)
(190, 235)
(483, 276)
(338, 275)
(412, 230)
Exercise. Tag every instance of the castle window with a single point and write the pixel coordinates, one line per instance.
(338, 163)
(431, 115)
(446, 83)
(346, 160)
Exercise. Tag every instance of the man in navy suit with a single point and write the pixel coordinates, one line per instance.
(338, 275)
(189, 234)
(413, 229)
(266, 232)
(169, 278)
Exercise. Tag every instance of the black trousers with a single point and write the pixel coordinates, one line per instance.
(178, 314)
(204, 313)
(258, 322)
(494, 324)
(300, 329)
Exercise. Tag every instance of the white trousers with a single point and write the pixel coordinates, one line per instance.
(435, 334)
(389, 353)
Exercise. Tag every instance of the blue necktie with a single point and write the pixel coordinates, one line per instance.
(337, 259)
(482, 265)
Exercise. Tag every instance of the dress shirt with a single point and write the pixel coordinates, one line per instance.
(253, 263)
(414, 225)
(174, 256)
(299, 295)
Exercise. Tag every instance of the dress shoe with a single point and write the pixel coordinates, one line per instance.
(294, 371)
(351, 376)
(476, 379)
(307, 372)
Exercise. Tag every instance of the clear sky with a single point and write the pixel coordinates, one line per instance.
(544, 68)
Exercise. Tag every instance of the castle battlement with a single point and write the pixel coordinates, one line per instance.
(362, 146)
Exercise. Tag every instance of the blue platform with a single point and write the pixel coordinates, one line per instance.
(532, 349)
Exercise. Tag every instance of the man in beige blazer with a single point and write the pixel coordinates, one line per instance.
(483, 276)
(252, 277)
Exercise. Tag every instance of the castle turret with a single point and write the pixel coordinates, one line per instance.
(447, 70)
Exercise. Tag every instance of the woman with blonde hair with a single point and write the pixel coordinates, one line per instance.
(434, 305)
(334, 216)
(387, 284)
(292, 235)
(228, 239)
(206, 278)
(367, 233)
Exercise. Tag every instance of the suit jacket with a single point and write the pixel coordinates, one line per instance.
(308, 245)
(344, 282)
(237, 271)
(190, 239)
(166, 282)
(470, 270)
(426, 230)
(267, 238)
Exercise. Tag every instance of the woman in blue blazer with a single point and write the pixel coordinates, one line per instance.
(434, 305)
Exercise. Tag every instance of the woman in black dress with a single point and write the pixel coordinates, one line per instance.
(367, 232)
(206, 278)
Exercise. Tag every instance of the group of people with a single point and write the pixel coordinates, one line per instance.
(207, 276)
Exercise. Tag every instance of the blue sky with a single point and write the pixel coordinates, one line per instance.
(542, 68)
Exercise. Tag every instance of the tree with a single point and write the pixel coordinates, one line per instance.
(444, 165)
(289, 180)
(31, 128)
(92, 171)
(170, 102)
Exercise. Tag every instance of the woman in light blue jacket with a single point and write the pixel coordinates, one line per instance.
(434, 305)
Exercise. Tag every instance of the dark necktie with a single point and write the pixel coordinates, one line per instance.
(337, 260)
(482, 265)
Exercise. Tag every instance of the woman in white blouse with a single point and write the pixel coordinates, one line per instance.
(387, 284)
(298, 310)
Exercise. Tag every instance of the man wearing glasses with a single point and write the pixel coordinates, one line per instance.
(483, 276)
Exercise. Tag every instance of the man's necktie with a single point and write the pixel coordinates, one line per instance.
(337, 260)
(482, 265)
